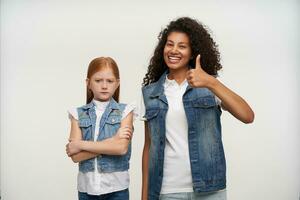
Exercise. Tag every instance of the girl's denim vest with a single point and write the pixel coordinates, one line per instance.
(206, 152)
(109, 125)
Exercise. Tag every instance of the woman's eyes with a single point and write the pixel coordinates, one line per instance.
(171, 45)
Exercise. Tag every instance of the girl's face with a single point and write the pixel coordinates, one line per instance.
(103, 84)
(177, 51)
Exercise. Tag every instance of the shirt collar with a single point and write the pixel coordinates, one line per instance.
(172, 83)
(100, 105)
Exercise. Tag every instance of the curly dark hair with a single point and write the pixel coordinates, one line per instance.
(200, 41)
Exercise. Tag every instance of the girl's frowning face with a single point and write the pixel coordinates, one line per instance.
(103, 84)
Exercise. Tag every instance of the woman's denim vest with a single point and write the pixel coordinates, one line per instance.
(206, 152)
(109, 125)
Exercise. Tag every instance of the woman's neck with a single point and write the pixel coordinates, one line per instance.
(179, 75)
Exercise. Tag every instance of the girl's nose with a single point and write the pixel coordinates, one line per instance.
(104, 84)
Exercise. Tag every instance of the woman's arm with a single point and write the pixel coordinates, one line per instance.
(145, 160)
(116, 145)
(232, 102)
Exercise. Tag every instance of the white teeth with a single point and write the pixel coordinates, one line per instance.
(173, 58)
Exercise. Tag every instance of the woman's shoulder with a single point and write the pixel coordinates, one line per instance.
(148, 89)
(150, 85)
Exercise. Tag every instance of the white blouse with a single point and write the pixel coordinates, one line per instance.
(97, 182)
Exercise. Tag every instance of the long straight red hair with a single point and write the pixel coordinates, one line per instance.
(97, 65)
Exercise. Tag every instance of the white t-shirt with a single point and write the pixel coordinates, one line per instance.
(97, 183)
(177, 176)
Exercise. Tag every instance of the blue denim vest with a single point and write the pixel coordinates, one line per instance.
(206, 152)
(109, 125)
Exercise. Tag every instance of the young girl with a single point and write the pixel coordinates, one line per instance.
(100, 135)
(183, 155)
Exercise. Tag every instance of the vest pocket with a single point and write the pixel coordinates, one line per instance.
(86, 128)
(204, 102)
(113, 120)
(112, 124)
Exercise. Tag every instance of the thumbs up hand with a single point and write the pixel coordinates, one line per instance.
(198, 77)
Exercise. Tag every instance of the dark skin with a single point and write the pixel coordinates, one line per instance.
(197, 78)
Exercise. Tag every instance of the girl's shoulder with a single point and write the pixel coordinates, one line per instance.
(74, 111)
(128, 108)
(86, 106)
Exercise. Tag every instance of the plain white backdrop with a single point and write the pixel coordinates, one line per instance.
(45, 50)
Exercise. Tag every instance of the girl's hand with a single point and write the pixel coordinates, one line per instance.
(124, 133)
(73, 147)
(198, 77)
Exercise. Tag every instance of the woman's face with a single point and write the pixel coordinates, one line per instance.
(177, 51)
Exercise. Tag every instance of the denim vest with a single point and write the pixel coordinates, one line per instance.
(206, 152)
(109, 125)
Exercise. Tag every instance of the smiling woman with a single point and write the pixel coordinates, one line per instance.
(177, 51)
(183, 155)
(191, 38)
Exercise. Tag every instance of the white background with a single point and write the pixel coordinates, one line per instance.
(47, 45)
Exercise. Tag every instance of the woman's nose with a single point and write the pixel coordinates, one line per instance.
(174, 49)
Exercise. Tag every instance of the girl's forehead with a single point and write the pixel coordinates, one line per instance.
(106, 72)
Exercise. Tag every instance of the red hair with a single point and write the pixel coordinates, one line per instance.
(97, 65)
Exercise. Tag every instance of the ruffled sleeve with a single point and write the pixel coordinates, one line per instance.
(141, 110)
(131, 107)
(72, 113)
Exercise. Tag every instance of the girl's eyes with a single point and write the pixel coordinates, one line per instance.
(101, 81)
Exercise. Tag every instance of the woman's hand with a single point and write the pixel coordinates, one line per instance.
(232, 102)
(198, 77)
